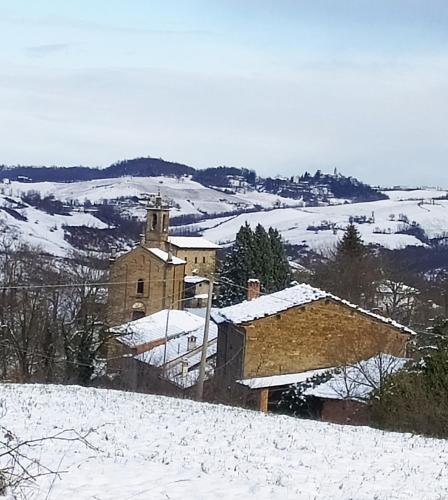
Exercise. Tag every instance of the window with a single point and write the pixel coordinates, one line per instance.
(164, 224)
(203, 260)
(154, 221)
(140, 286)
(195, 260)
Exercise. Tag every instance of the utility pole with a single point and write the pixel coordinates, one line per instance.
(201, 377)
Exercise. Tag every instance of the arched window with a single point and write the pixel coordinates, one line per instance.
(140, 286)
(154, 221)
(165, 228)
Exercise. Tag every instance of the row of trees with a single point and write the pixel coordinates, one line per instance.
(52, 316)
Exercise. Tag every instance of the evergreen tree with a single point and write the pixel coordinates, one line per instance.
(351, 245)
(281, 272)
(255, 254)
(351, 271)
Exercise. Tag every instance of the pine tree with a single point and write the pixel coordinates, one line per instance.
(351, 272)
(351, 245)
(281, 272)
(255, 254)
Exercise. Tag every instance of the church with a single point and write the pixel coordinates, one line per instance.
(151, 277)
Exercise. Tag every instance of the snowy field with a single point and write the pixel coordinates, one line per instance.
(192, 197)
(293, 223)
(45, 230)
(189, 197)
(154, 448)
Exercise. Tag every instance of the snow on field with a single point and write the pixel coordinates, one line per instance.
(293, 223)
(415, 194)
(45, 230)
(192, 197)
(153, 448)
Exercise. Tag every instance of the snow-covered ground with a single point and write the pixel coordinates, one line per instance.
(42, 229)
(190, 196)
(415, 194)
(293, 223)
(152, 447)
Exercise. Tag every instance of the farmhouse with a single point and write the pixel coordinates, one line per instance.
(272, 341)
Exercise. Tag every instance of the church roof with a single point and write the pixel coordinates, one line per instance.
(192, 242)
(274, 303)
(162, 255)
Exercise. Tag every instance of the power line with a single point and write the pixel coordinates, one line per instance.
(76, 285)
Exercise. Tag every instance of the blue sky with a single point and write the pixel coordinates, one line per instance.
(281, 86)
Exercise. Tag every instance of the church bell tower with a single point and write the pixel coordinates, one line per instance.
(157, 225)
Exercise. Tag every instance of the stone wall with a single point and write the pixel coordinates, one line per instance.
(322, 334)
(163, 286)
(199, 261)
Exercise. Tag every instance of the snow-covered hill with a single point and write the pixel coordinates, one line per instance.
(321, 227)
(189, 196)
(316, 227)
(39, 228)
(152, 447)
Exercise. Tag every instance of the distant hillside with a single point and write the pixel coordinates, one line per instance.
(320, 187)
(138, 167)
(311, 189)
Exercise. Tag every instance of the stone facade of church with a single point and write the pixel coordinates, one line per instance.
(150, 277)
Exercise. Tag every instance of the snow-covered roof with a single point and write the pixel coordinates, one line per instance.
(274, 303)
(153, 327)
(192, 242)
(278, 380)
(161, 254)
(357, 381)
(177, 347)
(193, 280)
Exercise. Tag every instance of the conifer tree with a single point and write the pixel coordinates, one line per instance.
(256, 254)
(281, 272)
(351, 271)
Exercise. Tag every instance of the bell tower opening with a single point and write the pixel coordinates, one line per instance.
(157, 224)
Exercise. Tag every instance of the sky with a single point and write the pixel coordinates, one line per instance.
(280, 86)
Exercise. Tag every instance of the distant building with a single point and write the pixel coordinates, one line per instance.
(150, 277)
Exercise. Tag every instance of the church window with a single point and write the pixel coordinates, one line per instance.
(140, 286)
(154, 221)
(164, 223)
(203, 260)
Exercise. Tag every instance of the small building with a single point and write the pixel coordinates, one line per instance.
(343, 398)
(196, 291)
(161, 353)
(269, 341)
(198, 253)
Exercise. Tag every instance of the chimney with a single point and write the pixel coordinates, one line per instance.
(184, 365)
(191, 342)
(253, 289)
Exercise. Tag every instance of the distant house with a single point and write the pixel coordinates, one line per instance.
(196, 291)
(272, 341)
(161, 352)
